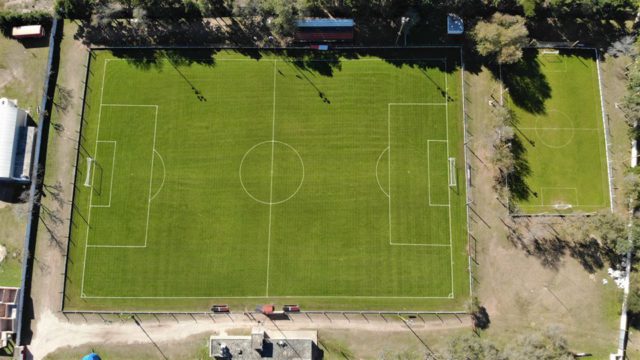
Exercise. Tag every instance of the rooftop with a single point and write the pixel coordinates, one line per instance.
(286, 345)
(455, 25)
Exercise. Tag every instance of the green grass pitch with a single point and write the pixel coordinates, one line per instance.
(219, 177)
(560, 138)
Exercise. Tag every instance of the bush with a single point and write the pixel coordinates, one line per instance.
(9, 19)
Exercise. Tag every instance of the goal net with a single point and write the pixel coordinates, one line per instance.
(452, 172)
(87, 180)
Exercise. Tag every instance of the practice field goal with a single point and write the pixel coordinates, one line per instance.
(452, 172)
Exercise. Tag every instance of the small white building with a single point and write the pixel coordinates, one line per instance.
(16, 142)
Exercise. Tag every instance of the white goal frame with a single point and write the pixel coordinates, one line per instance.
(87, 180)
(452, 172)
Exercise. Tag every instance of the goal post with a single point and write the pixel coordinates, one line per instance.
(87, 180)
(452, 172)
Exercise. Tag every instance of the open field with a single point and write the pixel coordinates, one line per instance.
(334, 182)
(560, 139)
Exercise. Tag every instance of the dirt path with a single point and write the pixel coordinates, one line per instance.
(55, 331)
(52, 238)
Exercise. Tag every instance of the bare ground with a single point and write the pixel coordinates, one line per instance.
(521, 286)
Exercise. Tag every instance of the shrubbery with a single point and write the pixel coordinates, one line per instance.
(9, 19)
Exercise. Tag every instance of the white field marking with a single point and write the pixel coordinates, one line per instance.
(446, 116)
(113, 169)
(555, 55)
(312, 60)
(95, 153)
(389, 105)
(418, 104)
(606, 138)
(273, 144)
(87, 245)
(271, 297)
(575, 193)
(558, 128)
(450, 296)
(429, 170)
(271, 202)
(164, 174)
(378, 163)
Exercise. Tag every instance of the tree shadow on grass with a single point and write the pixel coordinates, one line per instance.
(527, 85)
(517, 180)
(547, 242)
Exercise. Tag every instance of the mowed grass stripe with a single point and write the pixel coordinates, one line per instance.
(329, 223)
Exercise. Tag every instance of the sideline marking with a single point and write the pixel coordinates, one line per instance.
(273, 144)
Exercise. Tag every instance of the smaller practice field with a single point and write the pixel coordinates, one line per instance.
(560, 147)
(331, 180)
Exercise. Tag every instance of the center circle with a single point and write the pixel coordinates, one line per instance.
(271, 172)
(557, 132)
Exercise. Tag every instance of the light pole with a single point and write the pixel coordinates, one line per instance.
(403, 21)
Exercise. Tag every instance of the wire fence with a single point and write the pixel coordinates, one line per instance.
(37, 175)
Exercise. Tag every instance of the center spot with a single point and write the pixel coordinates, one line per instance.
(271, 172)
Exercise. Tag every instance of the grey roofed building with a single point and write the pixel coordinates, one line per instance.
(285, 345)
(16, 142)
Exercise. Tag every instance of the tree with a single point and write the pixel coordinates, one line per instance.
(503, 37)
(539, 345)
(529, 7)
(283, 16)
(74, 9)
(478, 313)
(633, 301)
(625, 46)
(471, 347)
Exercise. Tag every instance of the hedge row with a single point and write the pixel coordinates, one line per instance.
(9, 19)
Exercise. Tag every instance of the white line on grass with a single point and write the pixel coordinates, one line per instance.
(606, 138)
(113, 168)
(87, 245)
(95, 153)
(377, 177)
(429, 170)
(558, 128)
(153, 150)
(389, 105)
(575, 191)
(164, 174)
(273, 144)
(272, 297)
(446, 116)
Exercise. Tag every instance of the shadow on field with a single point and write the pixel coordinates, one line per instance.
(518, 186)
(527, 85)
(550, 241)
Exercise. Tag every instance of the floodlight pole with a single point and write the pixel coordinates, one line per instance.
(403, 20)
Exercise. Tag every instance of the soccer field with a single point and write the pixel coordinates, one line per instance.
(333, 182)
(560, 136)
